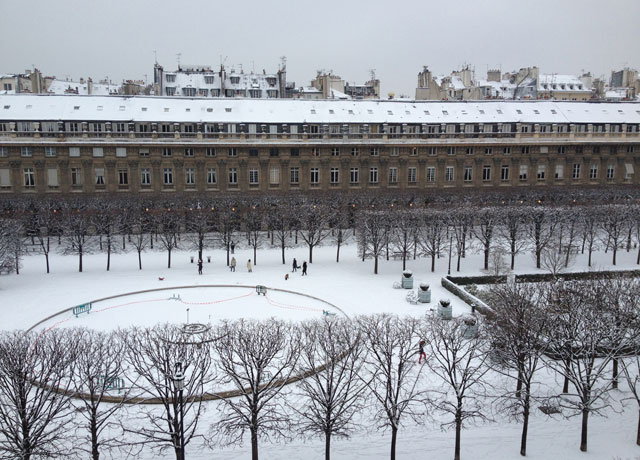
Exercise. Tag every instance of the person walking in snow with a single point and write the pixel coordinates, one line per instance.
(304, 268)
(295, 265)
(421, 352)
(199, 266)
(249, 265)
(233, 247)
(233, 264)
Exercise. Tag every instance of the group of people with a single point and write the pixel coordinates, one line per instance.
(232, 265)
(296, 267)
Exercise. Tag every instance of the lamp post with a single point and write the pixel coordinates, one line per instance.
(178, 380)
(450, 244)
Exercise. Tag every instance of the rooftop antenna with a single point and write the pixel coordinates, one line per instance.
(241, 69)
(155, 56)
(283, 62)
(372, 72)
(178, 55)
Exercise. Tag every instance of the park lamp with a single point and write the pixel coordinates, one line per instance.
(178, 376)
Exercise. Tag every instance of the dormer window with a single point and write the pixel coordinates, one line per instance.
(171, 78)
(208, 79)
(235, 80)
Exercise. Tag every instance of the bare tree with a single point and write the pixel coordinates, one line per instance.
(168, 227)
(511, 231)
(584, 340)
(11, 232)
(152, 356)
(78, 230)
(35, 409)
(589, 226)
(254, 223)
(391, 372)
(459, 363)
(485, 223)
(460, 222)
(540, 229)
(517, 329)
(98, 374)
(404, 233)
(107, 222)
(372, 233)
(227, 222)
(554, 261)
(314, 222)
(199, 226)
(257, 359)
(280, 221)
(615, 223)
(333, 395)
(340, 232)
(431, 234)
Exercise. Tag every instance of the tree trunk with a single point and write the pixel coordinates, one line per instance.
(139, 260)
(614, 377)
(375, 265)
(456, 454)
(310, 254)
(338, 253)
(95, 453)
(583, 434)
(254, 444)
(46, 256)
(255, 253)
(433, 262)
(394, 437)
(169, 259)
(283, 261)
(80, 261)
(486, 258)
(327, 446)
(615, 253)
(525, 424)
(638, 433)
(108, 256)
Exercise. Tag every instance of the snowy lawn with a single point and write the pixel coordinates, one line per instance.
(349, 285)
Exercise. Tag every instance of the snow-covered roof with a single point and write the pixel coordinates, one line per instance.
(232, 80)
(561, 82)
(236, 110)
(98, 89)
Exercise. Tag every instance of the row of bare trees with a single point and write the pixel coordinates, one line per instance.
(116, 392)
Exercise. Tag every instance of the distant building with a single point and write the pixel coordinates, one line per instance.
(330, 86)
(203, 81)
(624, 85)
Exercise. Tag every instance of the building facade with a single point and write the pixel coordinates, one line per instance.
(92, 144)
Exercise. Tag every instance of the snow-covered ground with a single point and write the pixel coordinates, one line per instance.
(349, 285)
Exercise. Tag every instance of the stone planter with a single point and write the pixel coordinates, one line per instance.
(469, 327)
(407, 279)
(444, 309)
(424, 293)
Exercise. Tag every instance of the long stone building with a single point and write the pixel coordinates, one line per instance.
(96, 144)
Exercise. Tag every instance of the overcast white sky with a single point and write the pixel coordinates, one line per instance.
(117, 38)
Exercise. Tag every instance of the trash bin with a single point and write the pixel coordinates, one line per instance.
(407, 279)
(444, 309)
(192, 259)
(424, 294)
(208, 259)
(469, 327)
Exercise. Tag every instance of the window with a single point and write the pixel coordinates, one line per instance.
(315, 151)
(486, 173)
(294, 175)
(373, 175)
(145, 176)
(395, 151)
(274, 152)
(26, 151)
(431, 174)
(167, 176)
(451, 151)
(629, 148)
(73, 127)
(190, 176)
(98, 152)
(4, 151)
(412, 175)
(355, 151)
(334, 177)
(524, 150)
(253, 176)
(120, 128)
(468, 173)
(506, 151)
(52, 177)
(49, 151)
(579, 149)
(74, 151)
(29, 178)
(335, 151)
(593, 172)
(576, 171)
(611, 172)
(433, 151)
(233, 176)
(448, 174)
(99, 176)
(233, 152)
(354, 175)
(188, 152)
(5, 178)
(414, 151)
(524, 170)
(561, 149)
(374, 151)
(628, 171)
(166, 152)
(171, 78)
(541, 172)
(596, 149)
(393, 176)
(211, 176)
(489, 151)
(76, 177)
(315, 176)
(469, 150)
(123, 177)
(504, 173)
(559, 171)
(295, 152)
(274, 176)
